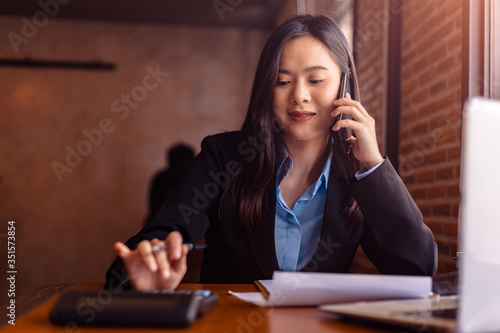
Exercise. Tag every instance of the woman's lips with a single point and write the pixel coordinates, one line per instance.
(301, 115)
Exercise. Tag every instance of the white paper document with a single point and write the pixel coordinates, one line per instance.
(312, 289)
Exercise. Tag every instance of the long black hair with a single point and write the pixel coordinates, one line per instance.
(249, 187)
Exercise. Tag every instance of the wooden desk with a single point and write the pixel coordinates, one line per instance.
(228, 316)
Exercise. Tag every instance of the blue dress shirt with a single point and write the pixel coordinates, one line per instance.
(297, 229)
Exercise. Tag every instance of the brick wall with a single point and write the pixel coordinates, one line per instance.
(430, 123)
(370, 57)
(431, 116)
(370, 52)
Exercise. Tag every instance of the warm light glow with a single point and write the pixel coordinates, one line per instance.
(25, 93)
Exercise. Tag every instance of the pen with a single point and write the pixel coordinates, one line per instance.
(190, 246)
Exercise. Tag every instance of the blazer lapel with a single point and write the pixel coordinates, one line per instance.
(262, 240)
(335, 230)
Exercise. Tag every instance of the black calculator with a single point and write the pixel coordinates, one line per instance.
(178, 308)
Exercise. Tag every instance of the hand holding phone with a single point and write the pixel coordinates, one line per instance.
(364, 145)
(345, 132)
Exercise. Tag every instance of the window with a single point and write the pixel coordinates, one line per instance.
(481, 63)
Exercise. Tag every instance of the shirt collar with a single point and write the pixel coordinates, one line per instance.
(286, 165)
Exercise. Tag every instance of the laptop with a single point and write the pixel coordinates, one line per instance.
(476, 308)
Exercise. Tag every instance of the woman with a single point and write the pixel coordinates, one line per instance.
(282, 193)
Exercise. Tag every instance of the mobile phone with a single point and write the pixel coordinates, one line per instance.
(345, 133)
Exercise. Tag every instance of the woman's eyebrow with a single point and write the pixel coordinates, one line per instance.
(315, 68)
(307, 70)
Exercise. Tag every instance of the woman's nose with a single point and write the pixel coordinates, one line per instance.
(299, 94)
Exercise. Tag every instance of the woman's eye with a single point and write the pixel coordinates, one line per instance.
(282, 83)
(316, 81)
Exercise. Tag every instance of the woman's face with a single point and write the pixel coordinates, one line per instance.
(308, 84)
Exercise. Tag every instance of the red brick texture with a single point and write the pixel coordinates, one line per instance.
(431, 116)
(370, 60)
(430, 125)
(370, 53)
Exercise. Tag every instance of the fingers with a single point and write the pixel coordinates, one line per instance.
(355, 109)
(145, 252)
(349, 106)
(180, 265)
(121, 250)
(361, 119)
(174, 241)
(356, 126)
(170, 259)
(364, 144)
(161, 259)
(174, 260)
(347, 101)
(158, 269)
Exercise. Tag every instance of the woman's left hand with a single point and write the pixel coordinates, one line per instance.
(364, 145)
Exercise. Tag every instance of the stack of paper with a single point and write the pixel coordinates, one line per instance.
(312, 289)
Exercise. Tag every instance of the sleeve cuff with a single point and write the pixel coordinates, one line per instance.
(364, 172)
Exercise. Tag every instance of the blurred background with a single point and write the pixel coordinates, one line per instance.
(93, 93)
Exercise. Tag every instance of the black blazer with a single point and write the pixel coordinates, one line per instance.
(392, 234)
